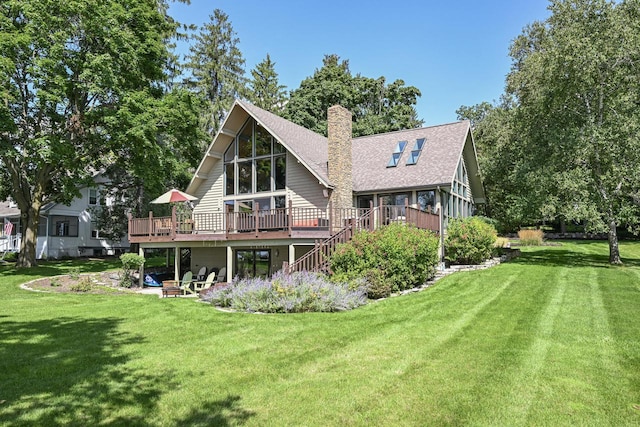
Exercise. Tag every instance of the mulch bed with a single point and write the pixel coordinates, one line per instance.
(99, 283)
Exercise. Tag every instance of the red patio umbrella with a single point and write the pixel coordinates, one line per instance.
(173, 196)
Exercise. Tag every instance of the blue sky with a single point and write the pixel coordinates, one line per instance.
(455, 52)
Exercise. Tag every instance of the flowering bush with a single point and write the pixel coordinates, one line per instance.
(294, 293)
(469, 241)
(391, 258)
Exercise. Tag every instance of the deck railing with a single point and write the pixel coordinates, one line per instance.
(317, 259)
(289, 219)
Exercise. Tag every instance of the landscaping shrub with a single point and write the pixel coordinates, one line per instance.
(469, 241)
(83, 285)
(501, 242)
(294, 293)
(11, 256)
(130, 263)
(391, 258)
(530, 237)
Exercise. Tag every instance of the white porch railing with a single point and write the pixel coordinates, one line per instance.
(10, 243)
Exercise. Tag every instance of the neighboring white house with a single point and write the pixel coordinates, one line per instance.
(63, 231)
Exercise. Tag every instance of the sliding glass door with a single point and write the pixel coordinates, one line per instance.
(253, 262)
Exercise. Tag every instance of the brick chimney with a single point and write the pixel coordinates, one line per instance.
(339, 134)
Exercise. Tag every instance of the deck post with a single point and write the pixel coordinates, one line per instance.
(371, 215)
(141, 270)
(174, 222)
(256, 207)
(150, 224)
(331, 220)
(290, 216)
(406, 211)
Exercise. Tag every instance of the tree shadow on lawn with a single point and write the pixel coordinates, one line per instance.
(72, 371)
(224, 412)
(55, 268)
(554, 257)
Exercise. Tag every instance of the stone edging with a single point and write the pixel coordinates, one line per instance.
(513, 253)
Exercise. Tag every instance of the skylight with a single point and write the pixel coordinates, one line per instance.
(415, 153)
(395, 157)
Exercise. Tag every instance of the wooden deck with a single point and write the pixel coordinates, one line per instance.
(284, 223)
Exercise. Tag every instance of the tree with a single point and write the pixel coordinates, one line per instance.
(376, 106)
(217, 69)
(72, 74)
(576, 79)
(264, 89)
(133, 171)
(513, 195)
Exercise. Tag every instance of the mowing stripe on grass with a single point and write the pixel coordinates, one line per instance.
(525, 384)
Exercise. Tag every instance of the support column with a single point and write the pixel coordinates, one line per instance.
(141, 272)
(292, 254)
(229, 264)
(176, 263)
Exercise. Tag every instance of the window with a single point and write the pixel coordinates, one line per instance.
(255, 162)
(364, 202)
(253, 263)
(264, 203)
(397, 153)
(427, 199)
(93, 196)
(395, 199)
(95, 233)
(415, 153)
(245, 175)
(230, 180)
(263, 174)
(64, 226)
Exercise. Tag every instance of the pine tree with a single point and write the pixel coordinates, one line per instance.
(217, 69)
(264, 89)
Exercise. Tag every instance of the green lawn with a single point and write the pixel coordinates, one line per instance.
(552, 338)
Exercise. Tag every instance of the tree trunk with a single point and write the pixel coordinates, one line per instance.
(29, 221)
(614, 250)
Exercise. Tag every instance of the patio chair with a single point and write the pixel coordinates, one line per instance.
(185, 283)
(202, 273)
(222, 274)
(202, 286)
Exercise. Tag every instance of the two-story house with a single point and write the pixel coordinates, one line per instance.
(63, 230)
(269, 190)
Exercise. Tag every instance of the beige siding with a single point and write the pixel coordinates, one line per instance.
(211, 191)
(208, 257)
(304, 188)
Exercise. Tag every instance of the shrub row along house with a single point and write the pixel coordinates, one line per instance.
(268, 191)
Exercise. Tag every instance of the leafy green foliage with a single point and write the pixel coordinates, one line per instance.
(398, 256)
(83, 285)
(576, 79)
(130, 263)
(469, 240)
(377, 107)
(83, 85)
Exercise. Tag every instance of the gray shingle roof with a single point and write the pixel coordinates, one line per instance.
(436, 165)
(7, 211)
